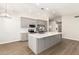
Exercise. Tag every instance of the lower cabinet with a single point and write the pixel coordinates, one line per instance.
(24, 36)
(38, 45)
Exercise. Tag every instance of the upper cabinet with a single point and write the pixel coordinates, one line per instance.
(25, 22)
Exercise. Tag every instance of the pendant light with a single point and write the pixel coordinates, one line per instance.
(5, 13)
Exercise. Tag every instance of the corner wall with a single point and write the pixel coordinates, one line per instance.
(70, 27)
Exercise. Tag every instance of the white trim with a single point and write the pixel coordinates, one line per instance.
(10, 41)
(71, 38)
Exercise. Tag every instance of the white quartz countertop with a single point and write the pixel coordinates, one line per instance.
(41, 35)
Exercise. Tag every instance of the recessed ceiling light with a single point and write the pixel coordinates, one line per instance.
(37, 4)
(47, 8)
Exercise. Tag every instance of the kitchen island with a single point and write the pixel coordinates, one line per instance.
(39, 42)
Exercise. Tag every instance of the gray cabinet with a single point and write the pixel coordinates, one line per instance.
(24, 36)
(26, 21)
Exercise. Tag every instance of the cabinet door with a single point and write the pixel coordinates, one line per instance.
(32, 44)
(47, 42)
(41, 45)
(24, 36)
(55, 39)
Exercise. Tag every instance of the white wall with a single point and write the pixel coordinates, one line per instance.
(9, 30)
(70, 27)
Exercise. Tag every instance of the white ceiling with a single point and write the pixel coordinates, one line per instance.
(21, 9)
(66, 9)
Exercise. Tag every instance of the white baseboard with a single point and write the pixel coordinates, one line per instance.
(71, 38)
(9, 41)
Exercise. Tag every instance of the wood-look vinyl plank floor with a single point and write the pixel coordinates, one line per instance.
(66, 47)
